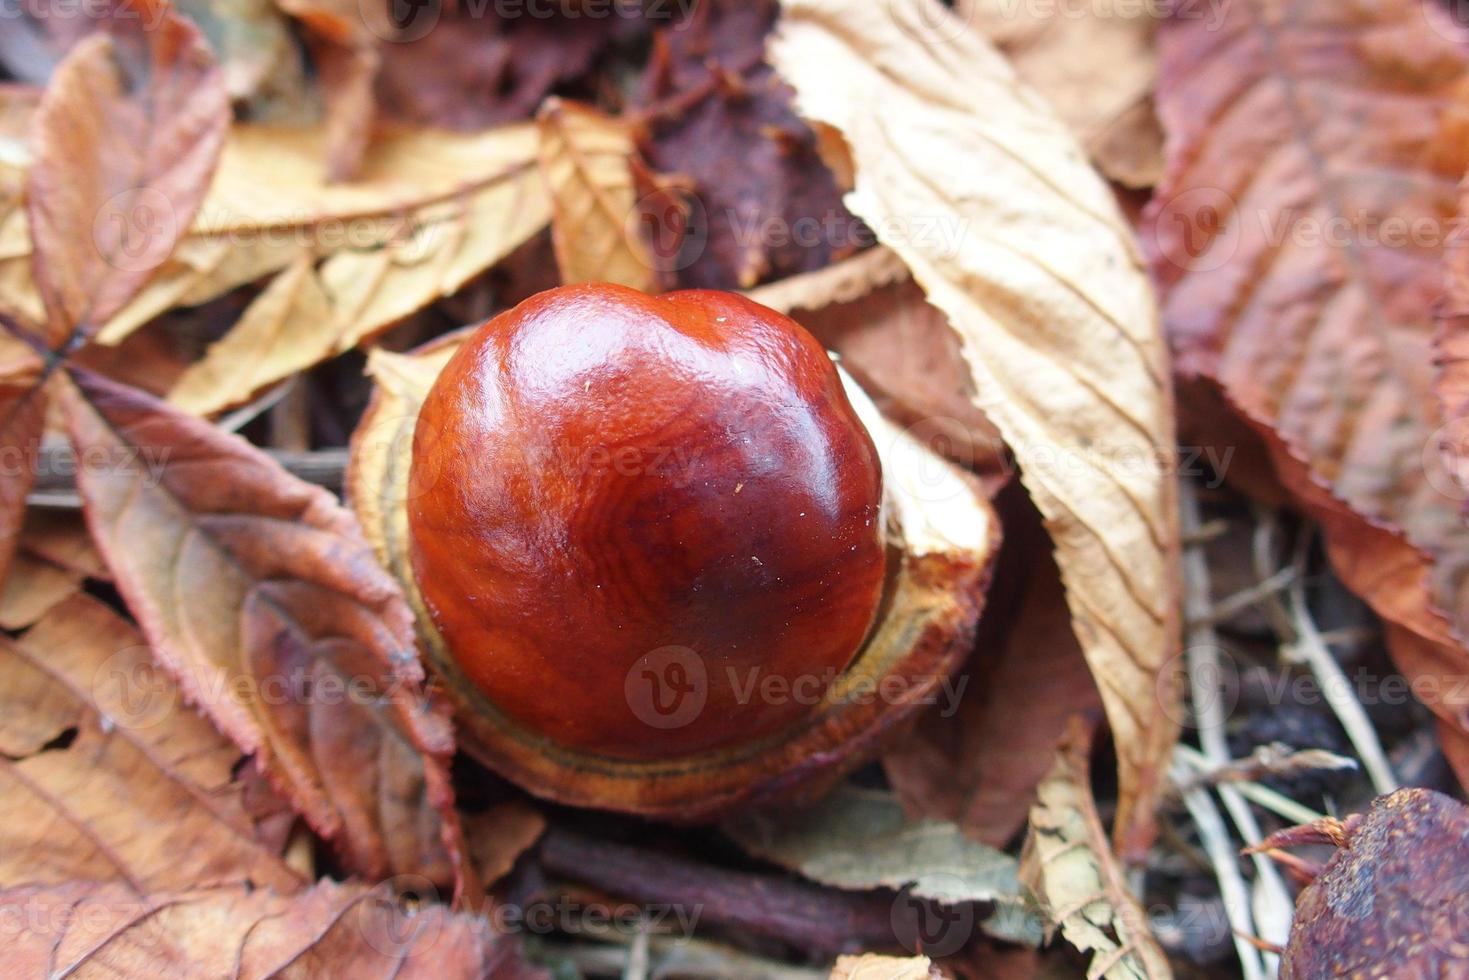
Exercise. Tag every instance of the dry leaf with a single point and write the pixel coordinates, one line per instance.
(22, 420)
(259, 594)
(1096, 64)
(1314, 149)
(585, 160)
(860, 839)
(122, 145)
(988, 199)
(90, 931)
(54, 558)
(345, 54)
(901, 348)
(762, 203)
(1072, 872)
(446, 228)
(870, 966)
(108, 775)
(977, 763)
(500, 835)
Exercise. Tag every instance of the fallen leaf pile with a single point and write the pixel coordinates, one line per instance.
(1136, 281)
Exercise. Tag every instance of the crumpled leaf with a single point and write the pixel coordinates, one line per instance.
(978, 762)
(1390, 901)
(123, 146)
(989, 201)
(1069, 867)
(761, 204)
(1097, 65)
(860, 839)
(90, 931)
(1297, 240)
(107, 775)
(258, 593)
(585, 158)
(871, 966)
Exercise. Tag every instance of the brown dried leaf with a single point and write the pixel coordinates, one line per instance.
(54, 558)
(90, 931)
(990, 203)
(1072, 872)
(977, 762)
(123, 146)
(107, 775)
(1097, 65)
(1297, 238)
(22, 420)
(347, 61)
(259, 594)
(1390, 901)
(585, 158)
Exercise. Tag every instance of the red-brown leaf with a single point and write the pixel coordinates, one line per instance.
(1313, 152)
(22, 417)
(108, 775)
(86, 930)
(258, 592)
(123, 146)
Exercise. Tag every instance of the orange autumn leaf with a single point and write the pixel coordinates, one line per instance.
(259, 594)
(108, 775)
(1314, 149)
(123, 146)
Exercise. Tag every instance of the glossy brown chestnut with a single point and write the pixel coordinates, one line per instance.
(646, 526)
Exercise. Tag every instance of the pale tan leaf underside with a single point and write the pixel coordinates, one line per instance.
(977, 185)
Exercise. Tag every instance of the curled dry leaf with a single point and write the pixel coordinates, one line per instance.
(122, 149)
(90, 931)
(989, 201)
(870, 966)
(1097, 65)
(1070, 869)
(107, 775)
(1390, 901)
(1314, 149)
(586, 160)
(258, 593)
(430, 212)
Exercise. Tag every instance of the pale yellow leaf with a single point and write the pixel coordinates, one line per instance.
(585, 160)
(989, 200)
(871, 966)
(263, 346)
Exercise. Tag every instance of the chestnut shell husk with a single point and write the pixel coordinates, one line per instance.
(942, 537)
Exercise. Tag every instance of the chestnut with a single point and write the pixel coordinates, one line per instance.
(630, 515)
(664, 557)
